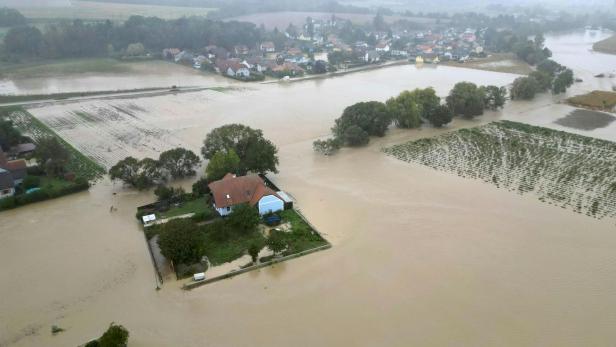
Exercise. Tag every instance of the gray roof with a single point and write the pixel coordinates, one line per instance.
(6, 180)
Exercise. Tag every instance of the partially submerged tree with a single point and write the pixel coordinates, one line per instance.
(524, 88)
(404, 110)
(355, 136)
(115, 336)
(181, 241)
(562, 81)
(256, 153)
(372, 117)
(466, 99)
(179, 162)
(494, 97)
(140, 174)
(327, 147)
(440, 116)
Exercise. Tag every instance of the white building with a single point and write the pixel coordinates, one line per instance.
(231, 191)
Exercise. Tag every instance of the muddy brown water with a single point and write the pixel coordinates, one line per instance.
(420, 257)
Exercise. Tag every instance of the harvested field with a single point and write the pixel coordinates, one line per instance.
(498, 62)
(586, 120)
(571, 171)
(596, 100)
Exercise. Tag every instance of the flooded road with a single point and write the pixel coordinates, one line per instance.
(420, 257)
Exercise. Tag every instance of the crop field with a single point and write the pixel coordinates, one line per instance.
(80, 164)
(597, 100)
(90, 10)
(281, 20)
(110, 130)
(567, 170)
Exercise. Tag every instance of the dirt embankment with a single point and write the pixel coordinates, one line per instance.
(497, 62)
(606, 46)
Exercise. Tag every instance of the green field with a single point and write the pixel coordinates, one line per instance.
(90, 10)
(80, 164)
(563, 169)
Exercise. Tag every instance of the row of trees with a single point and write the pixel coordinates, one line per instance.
(232, 148)
(147, 172)
(549, 76)
(83, 39)
(409, 110)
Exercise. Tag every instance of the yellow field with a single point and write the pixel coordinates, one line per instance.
(90, 10)
(606, 46)
(595, 100)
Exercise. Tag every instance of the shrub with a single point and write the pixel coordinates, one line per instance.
(31, 182)
(115, 336)
(326, 147)
(200, 188)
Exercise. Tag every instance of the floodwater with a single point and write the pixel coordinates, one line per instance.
(420, 257)
(151, 74)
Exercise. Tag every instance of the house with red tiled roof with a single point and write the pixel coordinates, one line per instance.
(232, 190)
(12, 173)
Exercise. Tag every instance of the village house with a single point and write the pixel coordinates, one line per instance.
(232, 68)
(231, 191)
(382, 47)
(12, 173)
(241, 50)
(372, 57)
(267, 47)
(7, 184)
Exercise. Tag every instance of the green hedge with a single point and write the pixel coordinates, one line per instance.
(42, 195)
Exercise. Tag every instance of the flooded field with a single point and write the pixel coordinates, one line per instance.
(119, 76)
(420, 257)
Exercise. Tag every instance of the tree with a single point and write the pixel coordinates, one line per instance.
(24, 40)
(9, 134)
(253, 251)
(10, 17)
(115, 336)
(256, 153)
(563, 81)
(221, 164)
(544, 80)
(326, 147)
(201, 188)
(140, 174)
(244, 218)
(524, 88)
(466, 99)
(404, 110)
(355, 136)
(494, 97)
(277, 241)
(440, 116)
(52, 156)
(164, 193)
(135, 49)
(181, 241)
(372, 117)
(550, 67)
(179, 162)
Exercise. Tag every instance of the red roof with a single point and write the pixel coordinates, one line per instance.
(232, 190)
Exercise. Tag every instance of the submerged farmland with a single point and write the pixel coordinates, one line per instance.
(563, 169)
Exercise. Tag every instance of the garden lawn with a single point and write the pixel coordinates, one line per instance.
(197, 206)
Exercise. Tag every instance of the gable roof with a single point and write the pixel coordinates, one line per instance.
(231, 190)
(17, 168)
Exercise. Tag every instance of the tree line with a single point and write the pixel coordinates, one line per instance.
(409, 110)
(88, 39)
(549, 76)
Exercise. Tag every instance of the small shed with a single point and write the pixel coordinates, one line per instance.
(288, 201)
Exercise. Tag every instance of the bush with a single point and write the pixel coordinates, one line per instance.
(115, 336)
(326, 147)
(93, 343)
(31, 182)
(200, 188)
